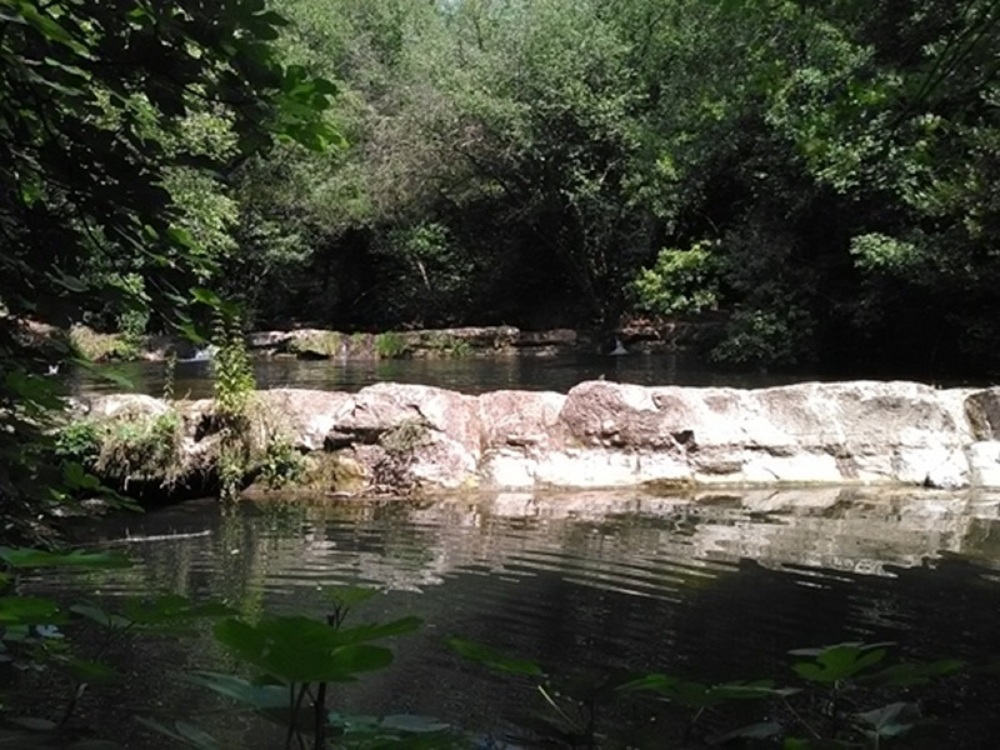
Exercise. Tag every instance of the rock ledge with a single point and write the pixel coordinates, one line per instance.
(604, 434)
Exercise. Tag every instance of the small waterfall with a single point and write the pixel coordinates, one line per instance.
(204, 354)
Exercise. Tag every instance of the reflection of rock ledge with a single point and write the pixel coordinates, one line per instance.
(604, 434)
(648, 544)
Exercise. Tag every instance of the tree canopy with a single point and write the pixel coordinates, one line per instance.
(121, 124)
(824, 174)
(544, 162)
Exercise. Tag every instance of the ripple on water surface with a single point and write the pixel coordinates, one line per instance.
(716, 586)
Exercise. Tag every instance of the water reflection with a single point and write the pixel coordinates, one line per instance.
(716, 585)
(469, 375)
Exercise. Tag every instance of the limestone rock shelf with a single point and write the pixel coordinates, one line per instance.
(604, 434)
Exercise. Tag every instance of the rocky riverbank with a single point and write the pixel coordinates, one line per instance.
(474, 341)
(392, 437)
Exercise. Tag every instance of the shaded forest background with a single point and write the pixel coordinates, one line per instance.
(825, 174)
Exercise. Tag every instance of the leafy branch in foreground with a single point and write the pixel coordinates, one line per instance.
(102, 106)
(40, 635)
(296, 660)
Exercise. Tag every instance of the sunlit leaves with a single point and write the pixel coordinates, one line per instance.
(682, 281)
(45, 23)
(879, 252)
(187, 85)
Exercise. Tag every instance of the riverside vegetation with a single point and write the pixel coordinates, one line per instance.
(832, 168)
(822, 174)
(140, 453)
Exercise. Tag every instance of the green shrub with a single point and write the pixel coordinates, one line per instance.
(102, 347)
(140, 447)
(762, 337)
(446, 345)
(391, 345)
(281, 464)
(79, 442)
(234, 388)
(681, 281)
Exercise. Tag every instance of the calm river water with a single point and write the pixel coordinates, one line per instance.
(469, 375)
(718, 586)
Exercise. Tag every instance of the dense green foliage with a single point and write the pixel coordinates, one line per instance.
(533, 162)
(120, 125)
(824, 172)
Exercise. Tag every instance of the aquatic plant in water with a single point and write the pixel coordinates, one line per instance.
(34, 638)
(841, 703)
(295, 660)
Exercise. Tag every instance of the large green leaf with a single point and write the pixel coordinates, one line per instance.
(299, 649)
(170, 610)
(49, 27)
(98, 615)
(702, 695)
(891, 720)
(655, 682)
(36, 558)
(493, 659)
(184, 733)
(29, 610)
(913, 673)
(840, 662)
(375, 631)
(258, 697)
(93, 671)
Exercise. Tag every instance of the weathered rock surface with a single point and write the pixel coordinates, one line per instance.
(480, 341)
(322, 343)
(603, 434)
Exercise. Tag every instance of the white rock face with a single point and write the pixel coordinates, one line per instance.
(984, 463)
(603, 434)
(858, 433)
(120, 404)
(309, 416)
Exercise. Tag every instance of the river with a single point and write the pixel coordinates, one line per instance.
(468, 374)
(711, 587)
(715, 587)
